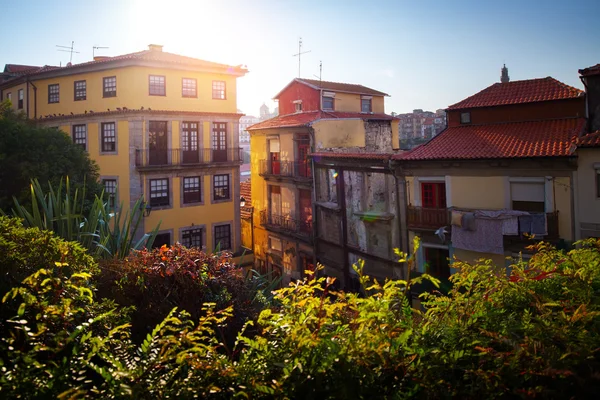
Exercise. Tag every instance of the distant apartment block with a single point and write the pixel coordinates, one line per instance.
(421, 125)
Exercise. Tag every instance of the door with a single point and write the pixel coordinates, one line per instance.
(219, 142)
(275, 215)
(305, 211)
(433, 198)
(189, 143)
(274, 157)
(437, 262)
(303, 161)
(158, 143)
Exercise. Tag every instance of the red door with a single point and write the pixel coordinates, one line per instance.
(305, 211)
(275, 164)
(433, 195)
(303, 162)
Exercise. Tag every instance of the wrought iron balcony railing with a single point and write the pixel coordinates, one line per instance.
(295, 169)
(181, 157)
(288, 224)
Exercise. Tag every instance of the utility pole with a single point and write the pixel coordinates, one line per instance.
(299, 55)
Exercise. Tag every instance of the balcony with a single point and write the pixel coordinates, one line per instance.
(145, 158)
(427, 218)
(296, 170)
(287, 225)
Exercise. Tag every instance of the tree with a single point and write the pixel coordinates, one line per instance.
(47, 154)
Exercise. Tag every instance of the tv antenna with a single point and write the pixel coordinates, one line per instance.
(94, 48)
(300, 52)
(68, 49)
(320, 71)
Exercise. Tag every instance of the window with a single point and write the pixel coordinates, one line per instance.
(221, 187)
(327, 103)
(366, 104)
(223, 237)
(465, 118)
(191, 190)
(162, 239)
(80, 90)
(80, 135)
(528, 196)
(159, 192)
(157, 85)
(20, 99)
(433, 195)
(53, 93)
(192, 238)
(218, 90)
(275, 244)
(298, 105)
(110, 189)
(189, 87)
(9, 96)
(109, 137)
(109, 85)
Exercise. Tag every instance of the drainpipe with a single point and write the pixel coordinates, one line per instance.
(311, 137)
(27, 97)
(34, 100)
(587, 109)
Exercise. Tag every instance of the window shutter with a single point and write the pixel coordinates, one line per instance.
(274, 146)
(527, 191)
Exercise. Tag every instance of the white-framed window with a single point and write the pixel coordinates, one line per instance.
(298, 105)
(159, 192)
(189, 87)
(157, 85)
(80, 135)
(108, 137)
(366, 104)
(109, 86)
(327, 101)
(110, 188)
(218, 90)
(53, 93)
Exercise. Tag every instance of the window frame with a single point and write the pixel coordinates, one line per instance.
(216, 187)
(465, 117)
(9, 96)
(112, 195)
(193, 231)
(77, 96)
(103, 138)
(20, 97)
(162, 203)
(51, 94)
(597, 170)
(332, 103)
(221, 93)
(105, 93)
(77, 139)
(362, 100)
(226, 226)
(183, 88)
(156, 85)
(185, 202)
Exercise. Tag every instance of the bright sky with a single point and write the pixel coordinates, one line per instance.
(425, 54)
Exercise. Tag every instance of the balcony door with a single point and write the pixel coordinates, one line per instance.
(303, 161)
(433, 195)
(158, 143)
(219, 142)
(275, 203)
(189, 143)
(274, 157)
(305, 211)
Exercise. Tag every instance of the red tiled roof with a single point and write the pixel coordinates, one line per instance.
(551, 138)
(589, 140)
(246, 193)
(308, 117)
(129, 111)
(353, 156)
(18, 69)
(589, 71)
(518, 92)
(342, 87)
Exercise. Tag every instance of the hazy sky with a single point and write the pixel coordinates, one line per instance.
(424, 54)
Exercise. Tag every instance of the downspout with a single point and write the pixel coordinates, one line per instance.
(27, 88)
(588, 122)
(34, 100)
(311, 136)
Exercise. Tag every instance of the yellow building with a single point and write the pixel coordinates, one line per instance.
(161, 126)
(315, 117)
(503, 168)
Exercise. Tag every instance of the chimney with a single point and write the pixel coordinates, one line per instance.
(101, 58)
(504, 78)
(155, 47)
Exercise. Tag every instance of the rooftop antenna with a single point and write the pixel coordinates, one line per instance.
(68, 50)
(300, 52)
(94, 48)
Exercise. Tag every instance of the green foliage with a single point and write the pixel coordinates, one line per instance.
(533, 333)
(103, 232)
(29, 152)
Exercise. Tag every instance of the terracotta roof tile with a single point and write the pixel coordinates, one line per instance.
(246, 193)
(307, 118)
(551, 138)
(589, 71)
(589, 140)
(518, 92)
(19, 69)
(342, 87)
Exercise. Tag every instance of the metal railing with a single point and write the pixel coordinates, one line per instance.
(296, 169)
(286, 223)
(181, 157)
(428, 218)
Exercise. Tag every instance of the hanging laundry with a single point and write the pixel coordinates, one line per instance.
(485, 238)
